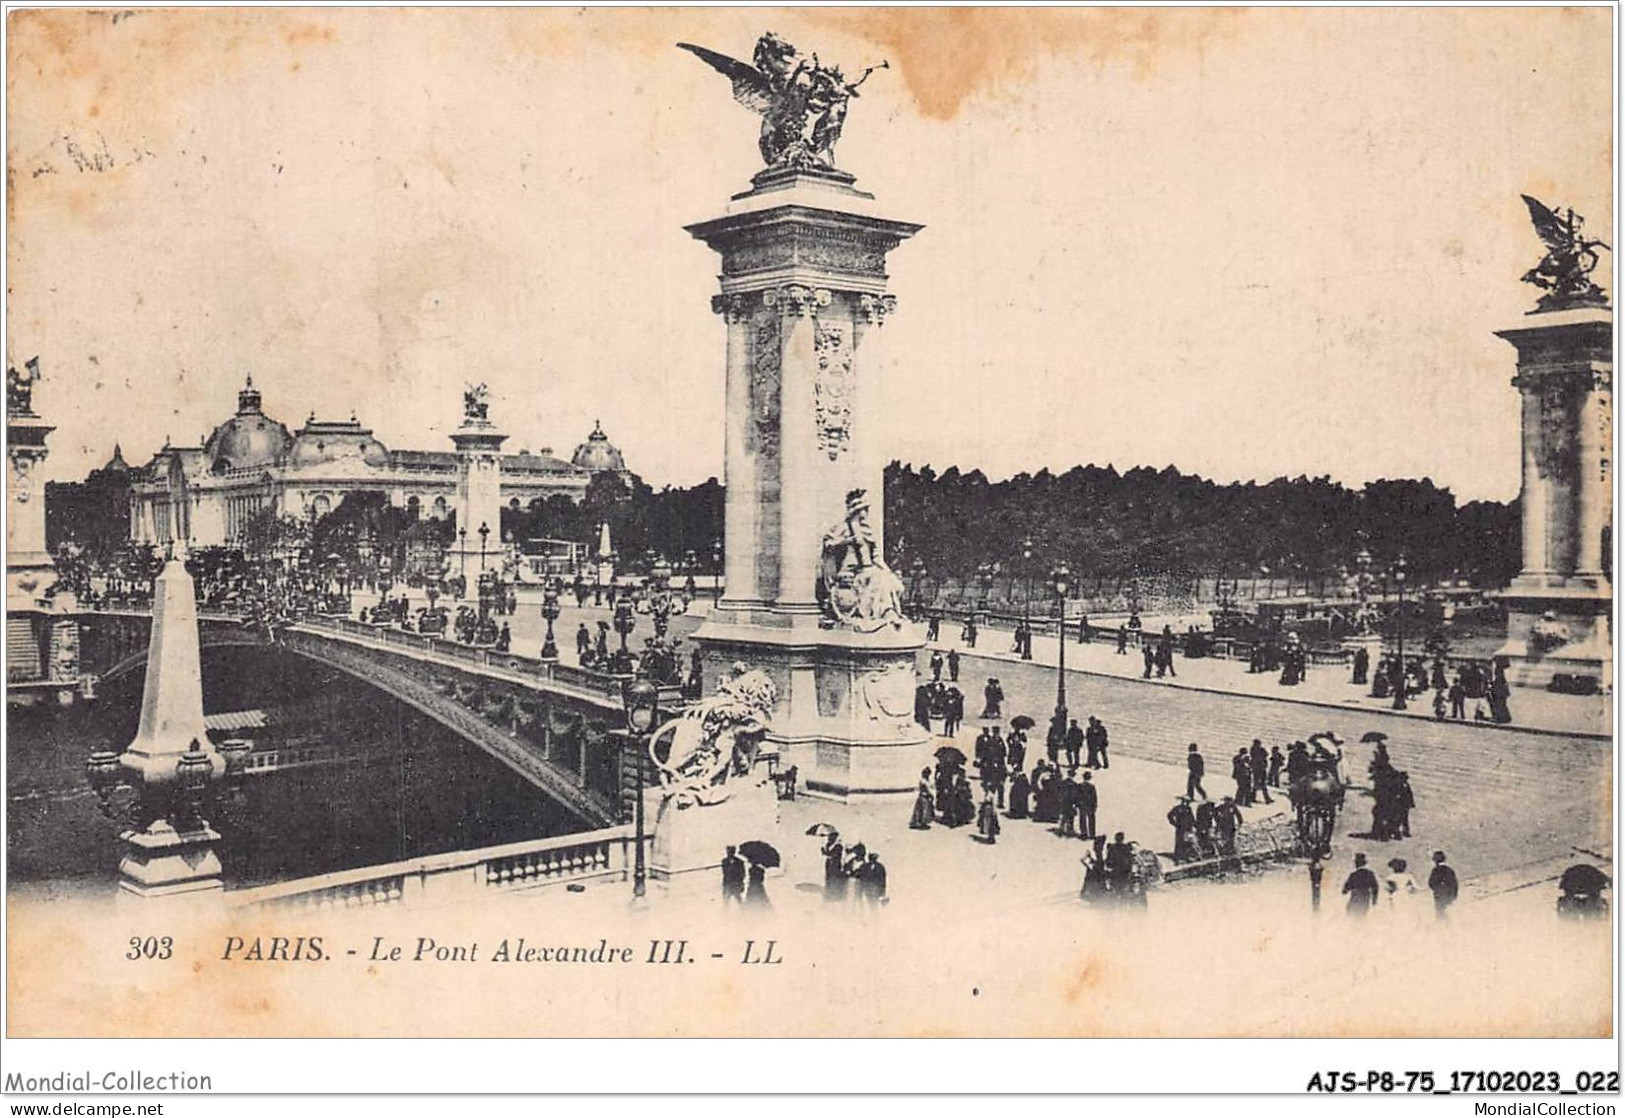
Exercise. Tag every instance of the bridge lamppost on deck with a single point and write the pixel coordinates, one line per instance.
(984, 579)
(462, 560)
(485, 530)
(642, 703)
(716, 565)
(916, 580)
(1399, 616)
(550, 614)
(1061, 580)
(625, 622)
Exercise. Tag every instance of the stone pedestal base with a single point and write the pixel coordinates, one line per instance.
(28, 576)
(1558, 628)
(163, 862)
(845, 717)
(696, 837)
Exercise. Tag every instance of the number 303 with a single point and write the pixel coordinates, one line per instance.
(152, 947)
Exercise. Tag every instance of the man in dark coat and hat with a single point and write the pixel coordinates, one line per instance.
(733, 876)
(1088, 804)
(1260, 758)
(1183, 821)
(1443, 885)
(1361, 888)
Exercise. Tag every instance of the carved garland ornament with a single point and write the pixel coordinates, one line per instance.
(833, 388)
(765, 384)
(1556, 455)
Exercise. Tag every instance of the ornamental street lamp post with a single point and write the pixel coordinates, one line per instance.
(642, 701)
(716, 565)
(1399, 583)
(1062, 581)
(462, 560)
(550, 614)
(1026, 598)
(624, 624)
(485, 530)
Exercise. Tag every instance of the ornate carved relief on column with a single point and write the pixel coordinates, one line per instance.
(766, 377)
(875, 308)
(833, 386)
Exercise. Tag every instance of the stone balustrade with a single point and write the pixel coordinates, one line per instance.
(456, 876)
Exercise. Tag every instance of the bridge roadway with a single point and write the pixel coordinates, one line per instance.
(1493, 797)
(487, 697)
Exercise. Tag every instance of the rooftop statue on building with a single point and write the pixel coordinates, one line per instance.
(802, 103)
(476, 403)
(20, 387)
(1565, 271)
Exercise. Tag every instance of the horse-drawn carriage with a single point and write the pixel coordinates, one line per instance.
(1317, 795)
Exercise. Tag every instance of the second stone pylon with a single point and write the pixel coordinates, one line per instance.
(808, 595)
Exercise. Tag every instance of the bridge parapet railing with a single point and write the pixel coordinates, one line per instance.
(598, 683)
(455, 876)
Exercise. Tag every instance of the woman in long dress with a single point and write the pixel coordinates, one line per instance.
(1020, 790)
(964, 801)
(755, 889)
(1399, 891)
(923, 804)
(987, 820)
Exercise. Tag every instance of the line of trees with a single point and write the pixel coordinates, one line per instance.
(1100, 522)
(1108, 524)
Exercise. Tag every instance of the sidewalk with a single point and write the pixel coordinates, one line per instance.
(1533, 711)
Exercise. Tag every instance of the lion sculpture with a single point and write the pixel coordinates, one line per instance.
(715, 740)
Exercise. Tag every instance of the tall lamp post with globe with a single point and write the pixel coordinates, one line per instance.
(1026, 598)
(642, 702)
(1399, 617)
(1061, 581)
(550, 614)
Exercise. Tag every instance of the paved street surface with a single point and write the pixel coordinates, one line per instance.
(1324, 684)
(1491, 798)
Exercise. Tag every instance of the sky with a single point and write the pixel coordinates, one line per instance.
(1247, 243)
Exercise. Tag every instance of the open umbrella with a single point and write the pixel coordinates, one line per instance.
(1582, 879)
(760, 853)
(1022, 722)
(822, 830)
(948, 755)
(1373, 735)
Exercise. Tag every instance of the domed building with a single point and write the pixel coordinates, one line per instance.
(598, 455)
(210, 494)
(248, 440)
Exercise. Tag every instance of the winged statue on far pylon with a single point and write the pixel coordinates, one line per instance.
(802, 103)
(1565, 271)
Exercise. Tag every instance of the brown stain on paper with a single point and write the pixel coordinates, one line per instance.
(948, 55)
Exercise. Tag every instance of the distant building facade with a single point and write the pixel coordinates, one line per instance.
(209, 495)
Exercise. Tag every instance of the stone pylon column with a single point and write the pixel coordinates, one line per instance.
(479, 496)
(29, 568)
(1558, 607)
(804, 299)
(803, 295)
